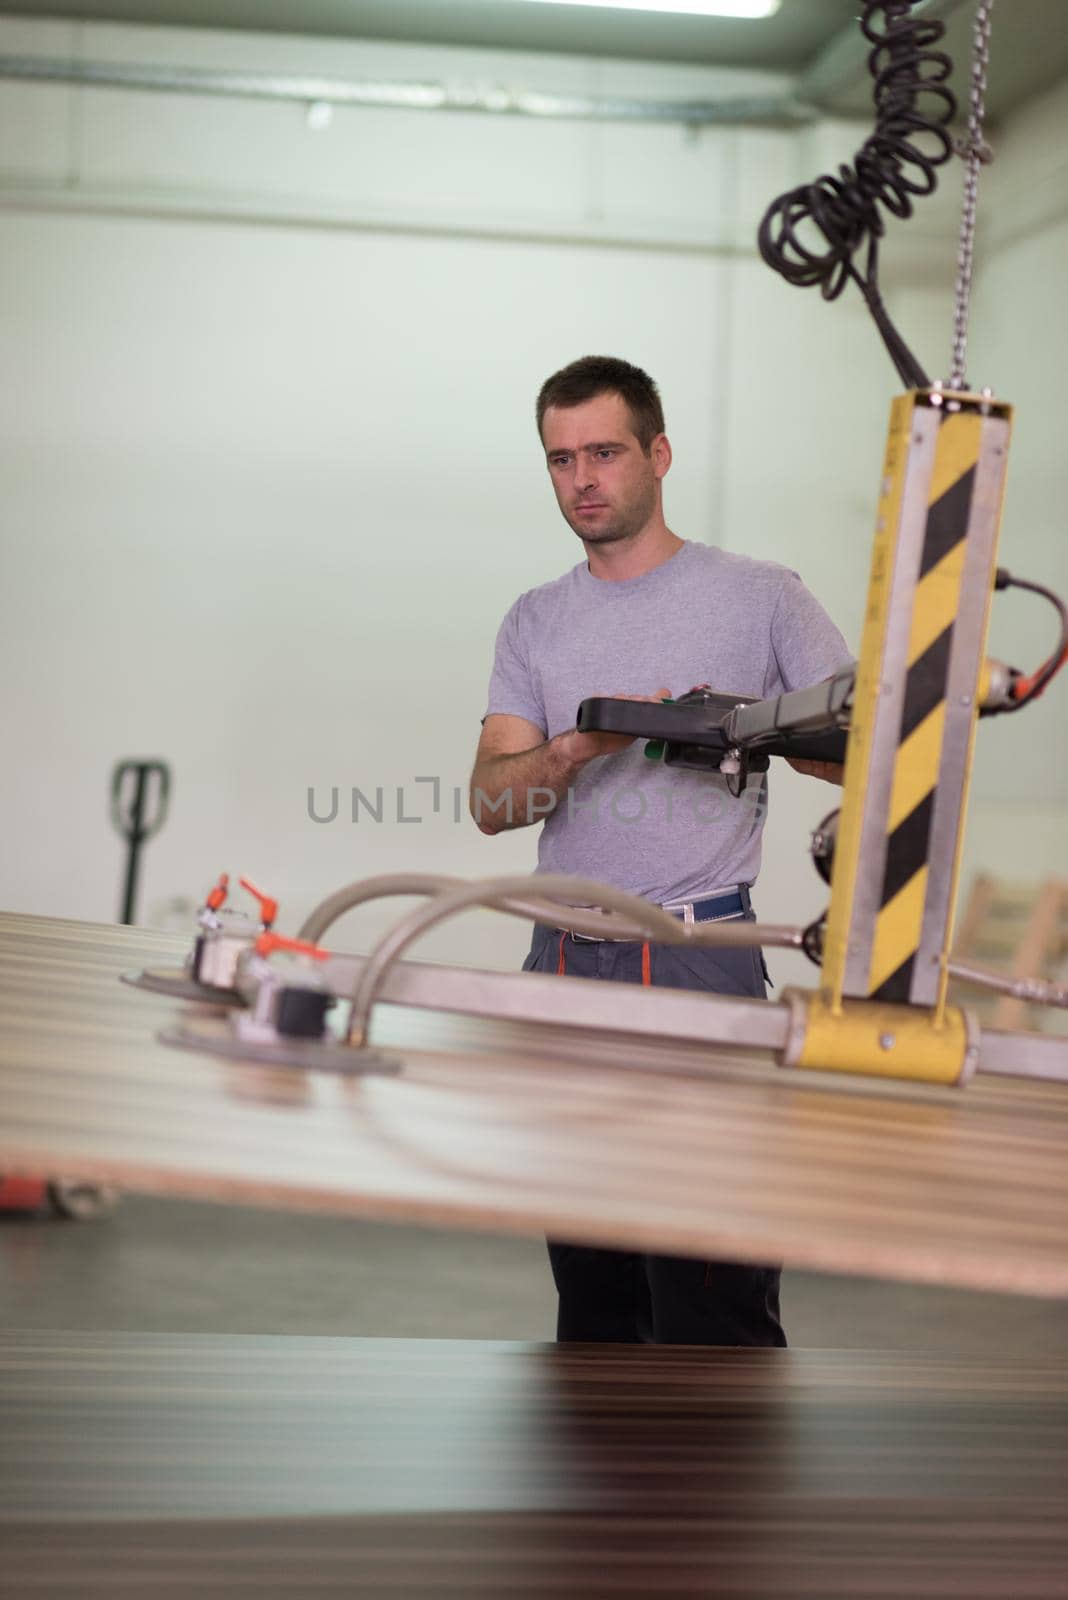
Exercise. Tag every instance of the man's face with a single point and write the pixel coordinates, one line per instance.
(606, 485)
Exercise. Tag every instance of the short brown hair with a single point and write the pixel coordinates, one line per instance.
(590, 376)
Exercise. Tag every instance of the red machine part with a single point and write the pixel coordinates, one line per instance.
(267, 943)
(216, 896)
(268, 905)
(77, 1198)
(23, 1194)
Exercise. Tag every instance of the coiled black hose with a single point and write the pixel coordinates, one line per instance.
(895, 165)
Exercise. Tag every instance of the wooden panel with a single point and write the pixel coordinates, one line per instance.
(520, 1130)
(167, 1466)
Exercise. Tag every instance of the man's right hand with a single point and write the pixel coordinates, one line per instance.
(519, 775)
(583, 747)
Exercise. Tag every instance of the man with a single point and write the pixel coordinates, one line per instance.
(645, 607)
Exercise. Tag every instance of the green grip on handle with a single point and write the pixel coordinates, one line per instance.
(654, 748)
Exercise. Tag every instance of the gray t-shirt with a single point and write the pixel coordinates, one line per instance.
(705, 616)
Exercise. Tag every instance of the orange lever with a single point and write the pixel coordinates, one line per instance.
(268, 907)
(1024, 688)
(267, 943)
(217, 894)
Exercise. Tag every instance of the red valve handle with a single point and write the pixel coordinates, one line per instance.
(217, 894)
(269, 942)
(268, 906)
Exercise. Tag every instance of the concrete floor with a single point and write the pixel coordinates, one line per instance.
(179, 1266)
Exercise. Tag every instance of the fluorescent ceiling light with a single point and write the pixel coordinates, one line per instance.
(682, 8)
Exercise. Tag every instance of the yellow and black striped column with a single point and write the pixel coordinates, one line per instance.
(882, 1003)
(899, 920)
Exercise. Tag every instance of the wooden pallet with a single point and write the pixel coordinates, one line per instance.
(1022, 930)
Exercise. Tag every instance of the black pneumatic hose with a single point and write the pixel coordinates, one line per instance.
(895, 165)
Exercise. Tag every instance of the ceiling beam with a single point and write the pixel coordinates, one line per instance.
(738, 111)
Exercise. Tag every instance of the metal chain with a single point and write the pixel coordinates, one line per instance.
(976, 152)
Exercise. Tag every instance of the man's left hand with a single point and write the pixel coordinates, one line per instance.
(829, 771)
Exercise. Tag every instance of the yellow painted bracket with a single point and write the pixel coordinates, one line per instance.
(876, 1040)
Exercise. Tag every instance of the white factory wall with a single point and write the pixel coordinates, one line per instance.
(1020, 348)
(270, 477)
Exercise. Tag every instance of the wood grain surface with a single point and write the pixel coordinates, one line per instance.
(513, 1128)
(164, 1466)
